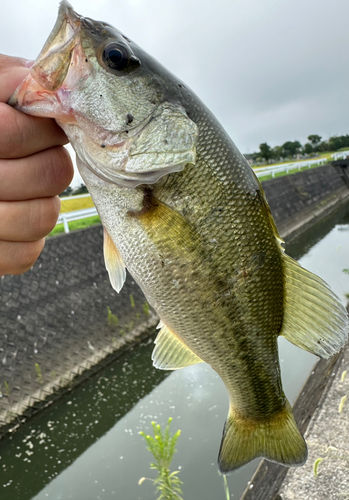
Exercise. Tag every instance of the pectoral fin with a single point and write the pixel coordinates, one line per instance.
(314, 317)
(170, 352)
(113, 263)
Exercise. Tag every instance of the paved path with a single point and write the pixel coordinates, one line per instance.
(328, 438)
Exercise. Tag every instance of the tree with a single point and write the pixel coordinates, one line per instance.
(323, 146)
(277, 152)
(314, 140)
(308, 148)
(266, 152)
(82, 189)
(67, 192)
(291, 148)
(338, 142)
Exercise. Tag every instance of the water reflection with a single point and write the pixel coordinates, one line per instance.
(86, 446)
(41, 450)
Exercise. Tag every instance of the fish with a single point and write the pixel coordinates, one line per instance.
(185, 214)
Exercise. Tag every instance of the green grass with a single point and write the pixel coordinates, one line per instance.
(325, 154)
(281, 174)
(112, 319)
(162, 447)
(76, 224)
(72, 204)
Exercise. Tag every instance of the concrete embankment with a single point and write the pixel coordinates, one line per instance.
(327, 437)
(297, 201)
(55, 325)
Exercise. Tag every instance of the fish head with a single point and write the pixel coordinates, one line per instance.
(120, 109)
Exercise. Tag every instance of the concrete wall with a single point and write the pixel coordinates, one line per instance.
(54, 319)
(298, 200)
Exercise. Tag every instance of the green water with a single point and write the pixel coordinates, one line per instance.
(86, 446)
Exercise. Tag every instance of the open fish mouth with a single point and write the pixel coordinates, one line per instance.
(55, 71)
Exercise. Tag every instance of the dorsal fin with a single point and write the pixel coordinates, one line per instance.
(170, 352)
(113, 263)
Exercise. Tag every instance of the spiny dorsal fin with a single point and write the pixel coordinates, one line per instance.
(170, 352)
(314, 317)
(113, 263)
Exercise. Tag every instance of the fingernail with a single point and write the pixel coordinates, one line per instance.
(28, 63)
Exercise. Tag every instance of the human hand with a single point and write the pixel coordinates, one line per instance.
(34, 169)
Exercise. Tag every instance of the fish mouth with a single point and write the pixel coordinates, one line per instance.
(57, 80)
(56, 70)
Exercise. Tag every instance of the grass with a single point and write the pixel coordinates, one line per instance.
(325, 154)
(77, 224)
(290, 172)
(162, 446)
(112, 319)
(72, 204)
(38, 373)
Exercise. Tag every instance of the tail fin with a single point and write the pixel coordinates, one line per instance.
(277, 439)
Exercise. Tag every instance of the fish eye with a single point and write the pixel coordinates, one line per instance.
(116, 56)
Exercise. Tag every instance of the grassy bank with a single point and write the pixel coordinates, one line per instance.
(76, 224)
(75, 203)
(281, 174)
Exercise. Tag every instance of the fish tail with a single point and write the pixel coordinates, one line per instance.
(278, 439)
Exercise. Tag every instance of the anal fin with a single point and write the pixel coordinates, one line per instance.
(314, 317)
(113, 263)
(170, 352)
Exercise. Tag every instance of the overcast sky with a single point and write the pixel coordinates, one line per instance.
(270, 70)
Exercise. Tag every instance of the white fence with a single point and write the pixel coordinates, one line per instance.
(67, 217)
(286, 167)
(340, 154)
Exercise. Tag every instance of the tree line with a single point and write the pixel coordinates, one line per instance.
(82, 189)
(290, 149)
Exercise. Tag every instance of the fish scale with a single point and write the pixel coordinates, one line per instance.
(184, 213)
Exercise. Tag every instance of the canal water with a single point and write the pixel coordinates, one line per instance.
(87, 446)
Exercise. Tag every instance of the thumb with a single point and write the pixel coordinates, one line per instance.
(13, 71)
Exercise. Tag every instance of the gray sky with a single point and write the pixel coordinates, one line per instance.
(270, 70)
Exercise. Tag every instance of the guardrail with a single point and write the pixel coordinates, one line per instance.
(67, 217)
(286, 167)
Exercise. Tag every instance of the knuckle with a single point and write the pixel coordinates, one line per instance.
(58, 168)
(12, 134)
(19, 257)
(30, 251)
(48, 214)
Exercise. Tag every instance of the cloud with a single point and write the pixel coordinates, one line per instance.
(270, 70)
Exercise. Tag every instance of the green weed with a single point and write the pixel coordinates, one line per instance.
(316, 466)
(146, 308)
(341, 404)
(112, 319)
(7, 388)
(38, 373)
(162, 446)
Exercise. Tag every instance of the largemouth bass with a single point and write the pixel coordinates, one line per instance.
(185, 214)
